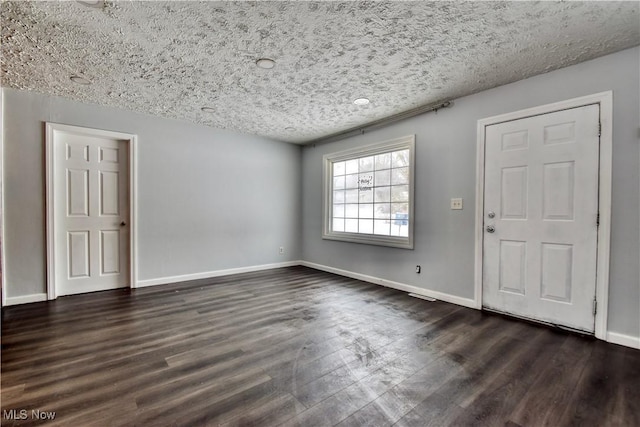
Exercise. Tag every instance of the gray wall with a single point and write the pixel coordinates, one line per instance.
(211, 200)
(207, 199)
(446, 168)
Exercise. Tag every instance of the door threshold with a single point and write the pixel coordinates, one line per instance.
(540, 322)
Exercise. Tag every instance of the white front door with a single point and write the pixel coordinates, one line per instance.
(540, 217)
(90, 211)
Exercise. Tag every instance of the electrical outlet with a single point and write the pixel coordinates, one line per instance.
(418, 269)
(281, 250)
(456, 204)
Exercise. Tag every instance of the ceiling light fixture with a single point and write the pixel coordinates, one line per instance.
(208, 109)
(266, 63)
(361, 101)
(80, 80)
(289, 128)
(92, 3)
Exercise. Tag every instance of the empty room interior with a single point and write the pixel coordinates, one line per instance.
(320, 213)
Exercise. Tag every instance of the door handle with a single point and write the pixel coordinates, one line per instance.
(122, 224)
(490, 229)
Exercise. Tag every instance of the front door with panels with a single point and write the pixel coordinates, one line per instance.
(91, 211)
(541, 217)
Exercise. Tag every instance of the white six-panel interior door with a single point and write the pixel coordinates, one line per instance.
(540, 217)
(89, 210)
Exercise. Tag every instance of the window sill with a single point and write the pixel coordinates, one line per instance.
(370, 239)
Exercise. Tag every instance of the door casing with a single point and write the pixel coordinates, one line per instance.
(605, 100)
(131, 141)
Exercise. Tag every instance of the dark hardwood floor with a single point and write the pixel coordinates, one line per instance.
(299, 347)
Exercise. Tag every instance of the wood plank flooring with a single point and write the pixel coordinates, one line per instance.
(299, 347)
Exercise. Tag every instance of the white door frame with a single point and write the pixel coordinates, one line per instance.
(131, 141)
(3, 282)
(605, 99)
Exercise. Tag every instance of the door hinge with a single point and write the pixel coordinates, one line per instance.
(598, 219)
(595, 306)
(599, 128)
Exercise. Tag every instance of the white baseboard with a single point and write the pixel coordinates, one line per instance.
(465, 302)
(25, 299)
(210, 274)
(625, 340)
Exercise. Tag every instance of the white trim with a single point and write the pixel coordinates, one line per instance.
(133, 210)
(405, 142)
(625, 340)
(604, 208)
(25, 299)
(605, 99)
(465, 302)
(49, 174)
(216, 273)
(51, 259)
(3, 282)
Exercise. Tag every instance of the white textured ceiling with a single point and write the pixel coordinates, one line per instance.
(170, 59)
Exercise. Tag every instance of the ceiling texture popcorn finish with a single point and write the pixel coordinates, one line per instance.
(170, 59)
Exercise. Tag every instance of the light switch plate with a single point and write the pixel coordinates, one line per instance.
(456, 203)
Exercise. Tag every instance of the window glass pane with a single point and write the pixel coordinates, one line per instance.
(400, 207)
(366, 226)
(366, 164)
(400, 211)
(351, 225)
(351, 166)
(338, 211)
(383, 161)
(382, 178)
(383, 194)
(338, 168)
(366, 196)
(338, 182)
(338, 224)
(400, 176)
(382, 210)
(338, 197)
(400, 158)
(365, 181)
(400, 219)
(400, 193)
(352, 196)
(351, 211)
(366, 210)
(399, 230)
(352, 181)
(381, 226)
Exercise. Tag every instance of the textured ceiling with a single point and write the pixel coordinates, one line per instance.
(170, 59)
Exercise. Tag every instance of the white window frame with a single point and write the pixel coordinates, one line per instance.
(402, 143)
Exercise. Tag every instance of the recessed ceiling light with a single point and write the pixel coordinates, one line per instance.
(361, 101)
(266, 63)
(80, 80)
(208, 109)
(289, 128)
(92, 3)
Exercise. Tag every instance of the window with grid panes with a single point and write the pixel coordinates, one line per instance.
(369, 194)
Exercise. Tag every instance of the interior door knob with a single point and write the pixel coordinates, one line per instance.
(122, 224)
(490, 229)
